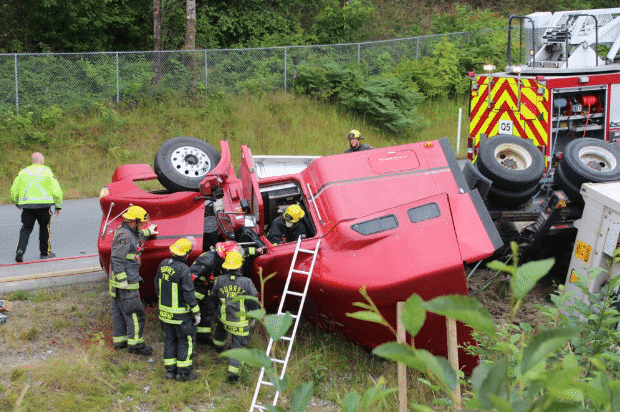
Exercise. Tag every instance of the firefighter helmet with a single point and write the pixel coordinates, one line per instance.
(181, 247)
(293, 214)
(354, 134)
(224, 247)
(233, 261)
(136, 214)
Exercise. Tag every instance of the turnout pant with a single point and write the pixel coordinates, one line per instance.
(207, 314)
(220, 336)
(29, 217)
(179, 342)
(128, 318)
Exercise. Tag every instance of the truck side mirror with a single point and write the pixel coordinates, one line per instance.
(245, 206)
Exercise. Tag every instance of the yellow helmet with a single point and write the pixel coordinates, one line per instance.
(293, 214)
(181, 247)
(137, 214)
(354, 134)
(234, 260)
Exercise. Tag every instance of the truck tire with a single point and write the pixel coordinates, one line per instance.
(510, 162)
(590, 160)
(570, 189)
(509, 199)
(181, 163)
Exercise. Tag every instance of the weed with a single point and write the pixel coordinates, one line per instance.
(17, 374)
(19, 295)
(30, 334)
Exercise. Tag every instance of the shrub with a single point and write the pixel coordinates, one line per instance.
(382, 100)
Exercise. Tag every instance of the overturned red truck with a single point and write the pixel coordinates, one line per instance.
(398, 220)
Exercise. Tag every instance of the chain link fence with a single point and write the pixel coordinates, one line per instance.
(79, 79)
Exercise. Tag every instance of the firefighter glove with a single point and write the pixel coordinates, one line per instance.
(153, 229)
(196, 318)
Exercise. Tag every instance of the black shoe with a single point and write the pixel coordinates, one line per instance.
(48, 256)
(182, 377)
(170, 375)
(119, 346)
(141, 350)
(233, 378)
(203, 340)
(19, 256)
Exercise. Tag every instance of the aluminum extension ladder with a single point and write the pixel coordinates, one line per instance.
(288, 339)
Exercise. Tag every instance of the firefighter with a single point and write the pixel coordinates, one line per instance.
(127, 310)
(34, 191)
(178, 311)
(287, 228)
(355, 142)
(230, 285)
(205, 269)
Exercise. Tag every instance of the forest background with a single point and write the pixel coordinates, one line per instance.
(35, 26)
(392, 101)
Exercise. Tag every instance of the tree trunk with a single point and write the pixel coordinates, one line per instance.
(157, 22)
(190, 42)
(190, 25)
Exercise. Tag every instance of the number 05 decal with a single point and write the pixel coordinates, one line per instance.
(505, 126)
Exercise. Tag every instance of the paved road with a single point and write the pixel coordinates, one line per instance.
(74, 240)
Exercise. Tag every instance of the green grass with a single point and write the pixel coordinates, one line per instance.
(75, 368)
(84, 148)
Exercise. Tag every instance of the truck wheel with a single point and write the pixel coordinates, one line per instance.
(508, 199)
(512, 163)
(570, 189)
(181, 163)
(590, 160)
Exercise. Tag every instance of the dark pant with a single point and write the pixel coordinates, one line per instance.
(128, 318)
(220, 336)
(29, 216)
(207, 314)
(179, 341)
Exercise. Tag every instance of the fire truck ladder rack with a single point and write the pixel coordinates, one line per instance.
(287, 339)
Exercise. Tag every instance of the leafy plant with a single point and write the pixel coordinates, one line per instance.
(526, 372)
(384, 100)
(277, 326)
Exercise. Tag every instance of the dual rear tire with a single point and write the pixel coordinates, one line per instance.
(514, 165)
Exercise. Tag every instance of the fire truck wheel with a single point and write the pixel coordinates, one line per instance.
(563, 183)
(590, 160)
(512, 163)
(507, 199)
(181, 163)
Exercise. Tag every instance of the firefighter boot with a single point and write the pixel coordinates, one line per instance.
(188, 376)
(140, 350)
(233, 378)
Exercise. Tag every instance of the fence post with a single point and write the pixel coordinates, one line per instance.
(358, 52)
(117, 82)
(401, 337)
(453, 357)
(16, 86)
(206, 77)
(285, 67)
(417, 47)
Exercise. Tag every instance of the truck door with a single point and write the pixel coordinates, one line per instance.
(250, 188)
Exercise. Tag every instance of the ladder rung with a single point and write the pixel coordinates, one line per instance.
(262, 408)
(286, 338)
(266, 383)
(277, 360)
(294, 293)
(294, 316)
(303, 272)
(307, 251)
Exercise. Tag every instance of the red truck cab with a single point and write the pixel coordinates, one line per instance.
(398, 220)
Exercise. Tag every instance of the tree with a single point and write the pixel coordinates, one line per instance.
(190, 25)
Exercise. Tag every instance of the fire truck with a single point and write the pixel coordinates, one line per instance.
(561, 83)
